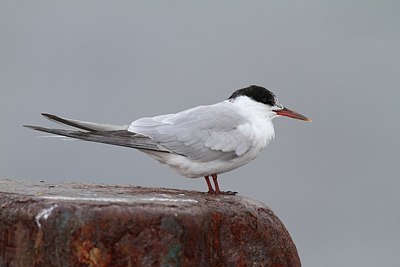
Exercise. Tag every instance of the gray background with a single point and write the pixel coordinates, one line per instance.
(334, 182)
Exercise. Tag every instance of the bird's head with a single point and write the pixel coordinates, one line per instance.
(264, 96)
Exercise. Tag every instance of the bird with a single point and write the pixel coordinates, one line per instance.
(203, 141)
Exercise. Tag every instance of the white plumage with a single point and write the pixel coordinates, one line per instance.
(199, 142)
(210, 139)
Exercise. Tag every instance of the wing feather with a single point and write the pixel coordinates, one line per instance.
(197, 134)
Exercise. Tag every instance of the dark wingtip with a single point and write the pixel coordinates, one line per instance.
(49, 116)
(65, 121)
(29, 126)
(32, 127)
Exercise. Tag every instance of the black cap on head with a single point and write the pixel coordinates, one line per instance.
(257, 93)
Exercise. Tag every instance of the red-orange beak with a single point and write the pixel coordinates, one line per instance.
(292, 114)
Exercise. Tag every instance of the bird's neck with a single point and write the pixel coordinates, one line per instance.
(259, 116)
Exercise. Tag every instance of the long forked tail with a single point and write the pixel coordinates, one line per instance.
(101, 133)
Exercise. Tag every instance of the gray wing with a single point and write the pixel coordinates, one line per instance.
(118, 138)
(203, 133)
(101, 133)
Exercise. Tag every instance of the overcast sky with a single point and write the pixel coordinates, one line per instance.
(334, 183)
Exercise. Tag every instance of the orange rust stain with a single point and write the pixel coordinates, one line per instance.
(88, 254)
(95, 257)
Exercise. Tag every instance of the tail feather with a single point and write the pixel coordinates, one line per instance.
(118, 138)
(84, 125)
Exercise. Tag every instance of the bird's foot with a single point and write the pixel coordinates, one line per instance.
(226, 193)
(217, 191)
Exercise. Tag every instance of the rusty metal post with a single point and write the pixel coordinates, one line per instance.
(72, 224)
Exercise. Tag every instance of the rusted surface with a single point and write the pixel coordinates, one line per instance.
(73, 224)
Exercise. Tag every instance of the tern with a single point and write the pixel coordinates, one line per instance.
(199, 142)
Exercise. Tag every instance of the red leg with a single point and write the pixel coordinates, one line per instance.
(210, 189)
(217, 190)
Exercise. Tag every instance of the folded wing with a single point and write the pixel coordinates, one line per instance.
(203, 133)
(101, 133)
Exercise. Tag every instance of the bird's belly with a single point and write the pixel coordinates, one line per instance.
(195, 169)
